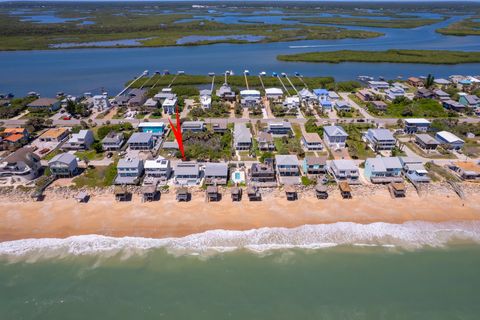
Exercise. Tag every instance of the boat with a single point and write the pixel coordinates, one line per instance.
(179, 72)
(274, 74)
(211, 74)
(166, 72)
(246, 72)
(297, 74)
(365, 78)
(263, 74)
(145, 73)
(284, 74)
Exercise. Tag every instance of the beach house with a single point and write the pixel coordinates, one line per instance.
(15, 136)
(307, 96)
(265, 141)
(113, 141)
(332, 95)
(50, 104)
(313, 165)
(287, 168)
(137, 97)
(467, 170)
(415, 82)
(156, 128)
(383, 170)
(378, 85)
(426, 141)
(469, 100)
(63, 165)
(263, 173)
(393, 93)
(225, 93)
(151, 104)
(414, 170)
(378, 105)
(321, 94)
(157, 170)
(54, 135)
(441, 95)
(342, 106)
(129, 171)
(311, 141)
(365, 95)
(169, 105)
(82, 140)
(141, 141)
(101, 102)
(291, 102)
(165, 93)
(335, 137)
(22, 164)
(242, 137)
(219, 127)
(193, 126)
(274, 94)
(216, 173)
(187, 173)
(325, 104)
(250, 98)
(415, 125)
(453, 105)
(449, 139)
(344, 170)
(380, 139)
(279, 128)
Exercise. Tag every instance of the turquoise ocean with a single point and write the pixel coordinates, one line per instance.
(414, 270)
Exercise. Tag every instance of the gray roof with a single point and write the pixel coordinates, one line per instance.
(286, 159)
(129, 163)
(426, 138)
(170, 145)
(344, 164)
(335, 131)
(381, 134)
(216, 169)
(264, 137)
(186, 168)
(193, 124)
(25, 155)
(242, 133)
(312, 160)
(140, 137)
(384, 163)
(66, 158)
(113, 137)
(471, 99)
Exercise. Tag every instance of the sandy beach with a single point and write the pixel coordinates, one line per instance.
(59, 217)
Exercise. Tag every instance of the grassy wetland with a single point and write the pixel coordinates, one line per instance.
(465, 27)
(391, 56)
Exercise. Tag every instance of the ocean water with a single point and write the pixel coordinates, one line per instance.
(339, 271)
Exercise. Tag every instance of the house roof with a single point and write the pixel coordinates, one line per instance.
(25, 155)
(159, 163)
(14, 130)
(129, 163)
(381, 134)
(448, 136)
(113, 137)
(193, 124)
(275, 91)
(286, 159)
(54, 133)
(471, 99)
(151, 124)
(344, 164)
(426, 138)
(312, 137)
(14, 137)
(241, 133)
(335, 131)
(312, 160)
(250, 93)
(384, 163)
(187, 168)
(320, 92)
(140, 137)
(417, 121)
(283, 124)
(216, 169)
(65, 158)
(42, 102)
(265, 137)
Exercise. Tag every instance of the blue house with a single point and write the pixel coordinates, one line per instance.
(156, 128)
(325, 104)
(321, 93)
(383, 169)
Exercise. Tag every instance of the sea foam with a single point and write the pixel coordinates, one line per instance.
(408, 236)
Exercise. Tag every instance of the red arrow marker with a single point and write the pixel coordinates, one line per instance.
(177, 132)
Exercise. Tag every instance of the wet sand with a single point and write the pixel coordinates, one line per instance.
(102, 215)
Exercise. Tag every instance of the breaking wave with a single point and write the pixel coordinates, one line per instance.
(408, 236)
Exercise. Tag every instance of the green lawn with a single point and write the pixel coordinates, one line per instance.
(357, 148)
(89, 154)
(97, 177)
(390, 56)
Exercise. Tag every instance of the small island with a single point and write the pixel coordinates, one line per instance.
(391, 56)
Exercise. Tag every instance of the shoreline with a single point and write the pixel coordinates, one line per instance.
(60, 216)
